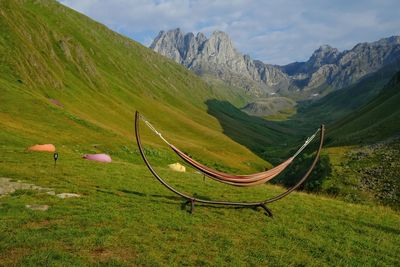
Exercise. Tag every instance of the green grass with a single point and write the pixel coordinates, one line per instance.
(267, 139)
(365, 173)
(282, 115)
(223, 91)
(375, 121)
(125, 217)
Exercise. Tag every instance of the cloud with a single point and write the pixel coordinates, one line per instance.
(276, 32)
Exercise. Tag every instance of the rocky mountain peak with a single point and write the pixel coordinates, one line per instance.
(325, 48)
(327, 66)
(170, 44)
(217, 56)
(325, 54)
(392, 40)
(201, 37)
(220, 35)
(220, 47)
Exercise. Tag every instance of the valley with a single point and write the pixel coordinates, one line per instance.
(352, 92)
(70, 81)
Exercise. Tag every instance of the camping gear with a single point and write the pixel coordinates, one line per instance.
(43, 147)
(177, 167)
(98, 157)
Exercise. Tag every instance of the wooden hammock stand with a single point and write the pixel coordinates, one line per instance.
(210, 173)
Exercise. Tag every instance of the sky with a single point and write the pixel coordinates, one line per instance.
(274, 31)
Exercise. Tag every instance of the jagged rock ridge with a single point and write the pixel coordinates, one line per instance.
(327, 67)
(218, 56)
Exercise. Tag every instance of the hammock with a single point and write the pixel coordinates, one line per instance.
(232, 179)
(238, 180)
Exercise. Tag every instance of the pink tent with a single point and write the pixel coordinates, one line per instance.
(98, 157)
(44, 147)
(56, 102)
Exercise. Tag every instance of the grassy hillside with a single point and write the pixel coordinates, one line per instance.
(268, 139)
(100, 78)
(361, 163)
(375, 121)
(272, 108)
(370, 166)
(338, 104)
(124, 217)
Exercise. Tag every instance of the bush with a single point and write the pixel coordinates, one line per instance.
(300, 166)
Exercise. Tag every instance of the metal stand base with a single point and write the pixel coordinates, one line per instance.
(268, 212)
(191, 201)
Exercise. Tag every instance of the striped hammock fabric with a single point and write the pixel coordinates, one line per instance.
(232, 179)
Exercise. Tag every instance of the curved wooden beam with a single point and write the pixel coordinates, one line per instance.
(192, 199)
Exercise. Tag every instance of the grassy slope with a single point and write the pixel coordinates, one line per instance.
(272, 108)
(369, 169)
(235, 95)
(124, 216)
(340, 103)
(101, 78)
(266, 138)
(361, 163)
(375, 121)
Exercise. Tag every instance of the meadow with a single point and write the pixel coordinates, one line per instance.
(124, 217)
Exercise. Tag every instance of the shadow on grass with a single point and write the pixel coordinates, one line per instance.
(269, 140)
(383, 228)
(185, 204)
(152, 195)
(106, 192)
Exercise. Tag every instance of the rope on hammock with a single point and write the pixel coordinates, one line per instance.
(154, 129)
(237, 180)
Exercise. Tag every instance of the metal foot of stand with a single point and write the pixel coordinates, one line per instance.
(191, 201)
(267, 210)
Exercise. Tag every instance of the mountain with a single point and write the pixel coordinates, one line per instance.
(329, 67)
(327, 70)
(68, 80)
(218, 56)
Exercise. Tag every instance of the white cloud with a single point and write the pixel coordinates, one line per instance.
(276, 32)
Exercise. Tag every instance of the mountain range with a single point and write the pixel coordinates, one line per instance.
(327, 69)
